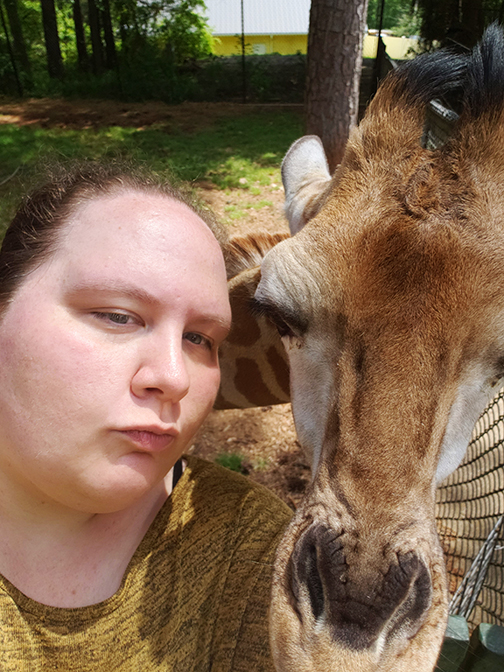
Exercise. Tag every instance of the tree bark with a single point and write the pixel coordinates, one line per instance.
(108, 34)
(472, 20)
(333, 72)
(54, 59)
(18, 42)
(96, 43)
(80, 38)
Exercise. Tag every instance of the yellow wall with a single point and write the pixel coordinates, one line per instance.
(225, 45)
(398, 48)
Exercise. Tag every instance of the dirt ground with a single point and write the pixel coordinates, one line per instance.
(79, 114)
(265, 437)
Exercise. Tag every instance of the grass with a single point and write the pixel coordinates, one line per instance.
(239, 211)
(232, 461)
(239, 463)
(237, 152)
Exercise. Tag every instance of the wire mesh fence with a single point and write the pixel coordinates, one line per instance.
(470, 502)
(470, 506)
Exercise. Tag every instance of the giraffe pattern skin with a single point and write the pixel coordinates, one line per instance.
(253, 362)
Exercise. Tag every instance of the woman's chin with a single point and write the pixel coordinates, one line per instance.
(125, 483)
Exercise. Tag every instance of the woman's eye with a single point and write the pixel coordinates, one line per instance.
(115, 318)
(197, 339)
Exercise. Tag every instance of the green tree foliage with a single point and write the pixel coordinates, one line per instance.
(392, 15)
(114, 47)
(171, 24)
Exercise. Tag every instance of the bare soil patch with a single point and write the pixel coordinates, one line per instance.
(265, 438)
(256, 211)
(79, 114)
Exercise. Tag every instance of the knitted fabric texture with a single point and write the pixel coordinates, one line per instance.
(194, 598)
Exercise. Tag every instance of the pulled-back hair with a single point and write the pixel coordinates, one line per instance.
(32, 236)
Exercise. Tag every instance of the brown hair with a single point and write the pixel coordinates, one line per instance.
(33, 233)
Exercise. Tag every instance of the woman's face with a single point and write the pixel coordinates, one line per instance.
(108, 353)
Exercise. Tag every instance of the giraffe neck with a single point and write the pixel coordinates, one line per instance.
(254, 369)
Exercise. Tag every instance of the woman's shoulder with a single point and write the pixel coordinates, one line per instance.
(211, 484)
(215, 507)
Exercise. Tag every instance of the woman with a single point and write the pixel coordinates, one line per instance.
(113, 303)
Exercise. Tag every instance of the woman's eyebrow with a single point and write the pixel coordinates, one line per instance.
(116, 287)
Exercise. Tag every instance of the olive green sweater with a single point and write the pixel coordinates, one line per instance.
(194, 597)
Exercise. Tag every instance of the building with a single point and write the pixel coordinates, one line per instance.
(276, 26)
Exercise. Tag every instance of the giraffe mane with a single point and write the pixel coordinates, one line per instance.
(244, 252)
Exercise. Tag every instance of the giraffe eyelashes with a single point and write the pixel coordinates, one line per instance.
(283, 324)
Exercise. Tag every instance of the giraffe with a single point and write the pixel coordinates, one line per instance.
(253, 361)
(389, 301)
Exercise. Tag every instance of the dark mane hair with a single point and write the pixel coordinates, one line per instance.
(33, 233)
(484, 86)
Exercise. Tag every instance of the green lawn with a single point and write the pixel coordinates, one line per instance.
(234, 152)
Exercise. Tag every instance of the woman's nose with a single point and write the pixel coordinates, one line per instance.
(162, 373)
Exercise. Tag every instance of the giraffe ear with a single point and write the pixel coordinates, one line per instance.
(306, 180)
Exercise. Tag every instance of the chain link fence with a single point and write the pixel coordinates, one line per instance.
(470, 508)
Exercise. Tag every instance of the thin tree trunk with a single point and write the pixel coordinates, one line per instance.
(19, 45)
(96, 43)
(108, 34)
(333, 72)
(472, 20)
(11, 53)
(80, 39)
(54, 60)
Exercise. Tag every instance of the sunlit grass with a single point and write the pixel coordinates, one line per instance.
(237, 152)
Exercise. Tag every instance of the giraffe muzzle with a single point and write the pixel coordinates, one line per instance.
(361, 609)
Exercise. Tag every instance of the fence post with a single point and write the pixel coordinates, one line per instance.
(486, 650)
(455, 645)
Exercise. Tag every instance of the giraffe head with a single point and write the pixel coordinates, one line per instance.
(390, 304)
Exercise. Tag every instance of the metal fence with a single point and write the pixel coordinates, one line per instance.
(470, 509)
(470, 502)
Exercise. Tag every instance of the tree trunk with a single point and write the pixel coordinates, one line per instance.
(333, 72)
(96, 43)
(54, 60)
(80, 39)
(108, 33)
(19, 45)
(472, 20)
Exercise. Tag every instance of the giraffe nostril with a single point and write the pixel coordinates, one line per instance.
(318, 546)
(356, 604)
(308, 574)
(418, 597)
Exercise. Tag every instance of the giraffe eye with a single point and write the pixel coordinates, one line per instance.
(496, 380)
(275, 317)
(282, 327)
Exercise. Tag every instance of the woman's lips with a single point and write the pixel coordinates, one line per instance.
(149, 441)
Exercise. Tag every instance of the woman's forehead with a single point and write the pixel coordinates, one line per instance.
(136, 216)
(151, 245)
(146, 234)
